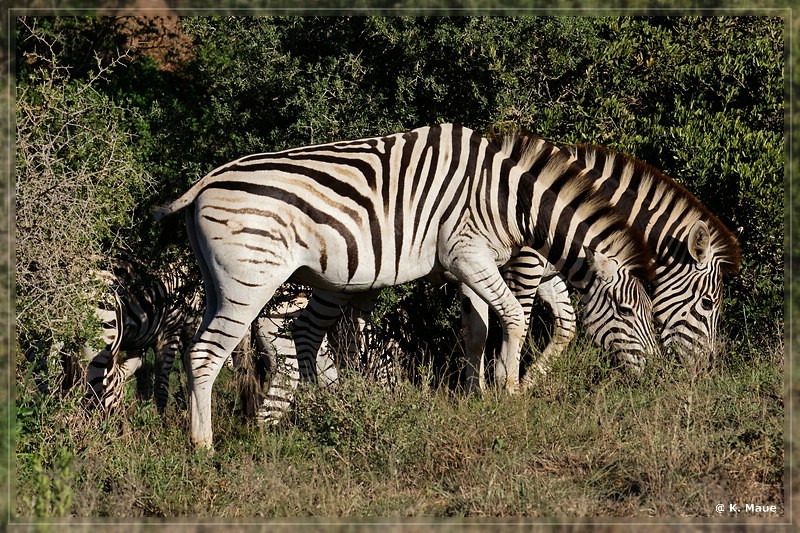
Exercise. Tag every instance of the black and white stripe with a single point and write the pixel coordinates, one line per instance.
(694, 252)
(359, 215)
(351, 345)
(144, 312)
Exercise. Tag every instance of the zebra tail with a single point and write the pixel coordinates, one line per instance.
(248, 384)
(163, 211)
(169, 233)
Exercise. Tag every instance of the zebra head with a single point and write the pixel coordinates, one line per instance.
(618, 312)
(687, 303)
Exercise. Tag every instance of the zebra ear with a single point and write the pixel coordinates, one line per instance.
(601, 265)
(699, 241)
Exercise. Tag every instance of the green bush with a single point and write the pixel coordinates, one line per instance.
(79, 188)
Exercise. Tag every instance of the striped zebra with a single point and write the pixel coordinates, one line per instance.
(693, 250)
(352, 345)
(142, 313)
(358, 215)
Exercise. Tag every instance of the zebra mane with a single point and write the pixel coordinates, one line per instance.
(629, 248)
(723, 241)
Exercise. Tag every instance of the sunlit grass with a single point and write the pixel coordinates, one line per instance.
(587, 441)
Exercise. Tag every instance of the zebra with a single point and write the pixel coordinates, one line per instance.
(142, 313)
(694, 252)
(359, 215)
(352, 346)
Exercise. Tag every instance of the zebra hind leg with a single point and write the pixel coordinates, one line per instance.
(301, 354)
(144, 378)
(278, 358)
(474, 331)
(165, 352)
(216, 339)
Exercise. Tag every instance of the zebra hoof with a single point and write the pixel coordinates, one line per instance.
(203, 442)
(512, 386)
(533, 377)
(206, 447)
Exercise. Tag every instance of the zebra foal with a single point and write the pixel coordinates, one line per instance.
(358, 215)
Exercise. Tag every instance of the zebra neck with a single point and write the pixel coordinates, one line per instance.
(653, 203)
(567, 257)
(665, 220)
(562, 230)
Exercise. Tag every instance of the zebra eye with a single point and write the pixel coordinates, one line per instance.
(707, 303)
(624, 310)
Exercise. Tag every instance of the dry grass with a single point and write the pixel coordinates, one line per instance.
(587, 443)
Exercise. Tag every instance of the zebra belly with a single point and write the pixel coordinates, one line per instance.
(362, 281)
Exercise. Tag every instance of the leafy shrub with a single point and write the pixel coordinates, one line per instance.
(79, 184)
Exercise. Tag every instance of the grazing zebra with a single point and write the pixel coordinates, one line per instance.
(352, 346)
(144, 313)
(694, 252)
(359, 215)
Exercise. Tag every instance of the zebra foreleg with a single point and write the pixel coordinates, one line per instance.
(488, 284)
(553, 292)
(96, 372)
(105, 381)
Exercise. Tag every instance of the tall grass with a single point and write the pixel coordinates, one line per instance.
(587, 442)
